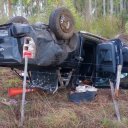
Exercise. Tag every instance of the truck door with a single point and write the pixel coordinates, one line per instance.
(108, 56)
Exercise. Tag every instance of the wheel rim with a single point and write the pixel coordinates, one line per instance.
(65, 23)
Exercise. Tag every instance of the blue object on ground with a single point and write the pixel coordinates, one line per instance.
(78, 97)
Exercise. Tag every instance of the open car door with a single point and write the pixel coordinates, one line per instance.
(108, 56)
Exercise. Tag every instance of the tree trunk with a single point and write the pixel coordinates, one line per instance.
(62, 2)
(21, 8)
(2, 11)
(121, 5)
(111, 7)
(90, 7)
(87, 11)
(38, 6)
(9, 8)
(104, 7)
(96, 8)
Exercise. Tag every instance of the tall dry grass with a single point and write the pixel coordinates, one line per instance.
(55, 111)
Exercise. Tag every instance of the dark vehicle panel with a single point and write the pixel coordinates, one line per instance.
(61, 62)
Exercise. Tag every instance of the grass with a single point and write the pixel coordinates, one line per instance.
(62, 117)
(55, 111)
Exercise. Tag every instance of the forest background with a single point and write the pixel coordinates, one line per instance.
(106, 18)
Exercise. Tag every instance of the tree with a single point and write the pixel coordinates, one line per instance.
(90, 7)
(121, 5)
(9, 8)
(111, 7)
(95, 8)
(104, 7)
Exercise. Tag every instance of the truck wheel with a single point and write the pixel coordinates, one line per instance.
(61, 22)
(18, 19)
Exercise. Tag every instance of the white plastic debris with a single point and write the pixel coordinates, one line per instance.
(84, 88)
(22, 74)
(9, 102)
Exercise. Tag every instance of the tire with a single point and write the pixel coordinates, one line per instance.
(61, 22)
(18, 19)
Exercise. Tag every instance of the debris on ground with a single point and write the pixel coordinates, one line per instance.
(8, 103)
(83, 93)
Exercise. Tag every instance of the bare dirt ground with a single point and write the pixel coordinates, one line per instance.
(55, 111)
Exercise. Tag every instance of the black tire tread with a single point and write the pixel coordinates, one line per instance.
(55, 26)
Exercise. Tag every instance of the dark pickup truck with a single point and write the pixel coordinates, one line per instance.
(62, 57)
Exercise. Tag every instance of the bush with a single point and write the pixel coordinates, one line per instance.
(104, 26)
(126, 27)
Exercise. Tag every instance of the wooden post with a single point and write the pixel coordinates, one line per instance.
(29, 50)
(119, 69)
(24, 92)
(115, 91)
(115, 101)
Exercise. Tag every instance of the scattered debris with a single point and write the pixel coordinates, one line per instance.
(83, 93)
(8, 103)
(84, 88)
